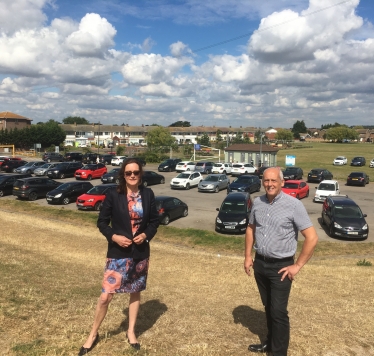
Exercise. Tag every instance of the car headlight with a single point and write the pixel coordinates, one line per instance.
(83, 173)
(337, 225)
(90, 200)
(55, 171)
(218, 220)
(244, 221)
(316, 195)
(166, 166)
(58, 195)
(210, 186)
(365, 227)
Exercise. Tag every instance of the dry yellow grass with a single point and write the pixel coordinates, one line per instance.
(197, 303)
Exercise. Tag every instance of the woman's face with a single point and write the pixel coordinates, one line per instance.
(132, 175)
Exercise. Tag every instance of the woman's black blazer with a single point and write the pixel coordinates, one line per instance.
(114, 219)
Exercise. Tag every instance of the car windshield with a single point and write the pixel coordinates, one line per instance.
(291, 170)
(183, 175)
(98, 190)
(237, 165)
(339, 158)
(347, 212)
(64, 187)
(88, 167)
(3, 178)
(115, 170)
(218, 165)
(243, 180)
(47, 165)
(357, 174)
(60, 165)
(315, 171)
(211, 179)
(290, 185)
(326, 186)
(29, 164)
(199, 164)
(233, 207)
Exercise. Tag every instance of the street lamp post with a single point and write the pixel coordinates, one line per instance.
(98, 139)
(261, 136)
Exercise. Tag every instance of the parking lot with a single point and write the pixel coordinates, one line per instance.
(202, 206)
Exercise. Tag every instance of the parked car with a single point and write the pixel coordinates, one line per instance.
(73, 157)
(52, 157)
(93, 199)
(319, 174)
(4, 159)
(90, 158)
(150, 177)
(90, 171)
(10, 166)
(204, 167)
(106, 158)
(234, 213)
(213, 183)
(371, 163)
(340, 161)
(117, 160)
(34, 187)
(29, 167)
(296, 188)
(293, 173)
(63, 170)
(222, 168)
(245, 183)
(344, 218)
(186, 180)
(111, 177)
(185, 166)
(7, 181)
(170, 208)
(67, 192)
(168, 165)
(326, 188)
(358, 161)
(42, 170)
(242, 168)
(358, 178)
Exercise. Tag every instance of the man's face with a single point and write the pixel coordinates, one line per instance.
(272, 182)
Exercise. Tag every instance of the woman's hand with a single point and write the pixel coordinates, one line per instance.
(121, 240)
(140, 238)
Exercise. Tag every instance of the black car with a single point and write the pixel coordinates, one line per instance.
(34, 187)
(150, 177)
(62, 170)
(169, 165)
(90, 158)
(358, 178)
(7, 181)
(245, 183)
(73, 157)
(10, 166)
(318, 175)
(234, 213)
(52, 157)
(295, 173)
(358, 161)
(112, 176)
(106, 158)
(170, 208)
(344, 218)
(67, 192)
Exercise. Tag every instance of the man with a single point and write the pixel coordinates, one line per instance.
(274, 223)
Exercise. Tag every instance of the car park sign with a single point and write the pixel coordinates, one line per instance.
(290, 160)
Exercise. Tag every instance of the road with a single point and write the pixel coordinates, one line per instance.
(202, 206)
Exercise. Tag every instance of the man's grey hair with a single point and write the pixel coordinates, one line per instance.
(279, 170)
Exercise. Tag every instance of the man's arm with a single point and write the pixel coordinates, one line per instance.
(306, 253)
(249, 240)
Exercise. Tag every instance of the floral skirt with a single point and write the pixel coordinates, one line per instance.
(125, 275)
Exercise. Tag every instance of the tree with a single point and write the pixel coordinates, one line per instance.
(298, 128)
(180, 124)
(258, 134)
(284, 135)
(219, 136)
(204, 140)
(338, 134)
(329, 126)
(158, 137)
(75, 120)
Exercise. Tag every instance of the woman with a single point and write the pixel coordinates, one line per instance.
(129, 220)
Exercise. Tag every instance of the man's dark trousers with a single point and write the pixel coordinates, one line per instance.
(274, 295)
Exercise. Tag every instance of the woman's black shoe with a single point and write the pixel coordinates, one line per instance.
(135, 346)
(86, 350)
(265, 347)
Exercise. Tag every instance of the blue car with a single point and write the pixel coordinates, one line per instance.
(245, 183)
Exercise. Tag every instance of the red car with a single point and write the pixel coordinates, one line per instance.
(90, 171)
(296, 188)
(93, 199)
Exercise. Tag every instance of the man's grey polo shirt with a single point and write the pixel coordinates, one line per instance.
(277, 225)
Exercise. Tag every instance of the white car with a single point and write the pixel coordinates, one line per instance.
(340, 161)
(242, 168)
(185, 166)
(117, 160)
(186, 180)
(372, 163)
(326, 188)
(222, 168)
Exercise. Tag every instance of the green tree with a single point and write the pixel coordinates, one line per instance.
(120, 150)
(284, 135)
(329, 126)
(204, 140)
(298, 128)
(158, 137)
(75, 120)
(338, 134)
(180, 124)
(219, 136)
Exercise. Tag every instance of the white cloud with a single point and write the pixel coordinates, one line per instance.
(179, 49)
(147, 44)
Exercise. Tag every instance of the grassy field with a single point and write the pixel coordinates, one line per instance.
(198, 300)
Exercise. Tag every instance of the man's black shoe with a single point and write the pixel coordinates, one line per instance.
(265, 347)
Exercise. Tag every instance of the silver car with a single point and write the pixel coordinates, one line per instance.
(42, 170)
(29, 167)
(214, 183)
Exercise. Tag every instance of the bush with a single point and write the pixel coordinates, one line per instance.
(364, 263)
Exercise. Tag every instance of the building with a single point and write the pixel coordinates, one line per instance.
(9, 120)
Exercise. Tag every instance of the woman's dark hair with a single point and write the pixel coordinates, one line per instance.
(122, 188)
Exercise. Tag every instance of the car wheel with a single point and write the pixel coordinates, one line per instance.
(117, 181)
(65, 201)
(187, 186)
(33, 196)
(97, 206)
(298, 196)
(331, 231)
(89, 177)
(322, 221)
(1, 193)
(162, 181)
(14, 170)
(187, 169)
(28, 171)
(62, 176)
(145, 183)
(166, 220)
(224, 172)
(216, 189)
(185, 212)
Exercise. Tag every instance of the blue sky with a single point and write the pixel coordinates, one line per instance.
(145, 62)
